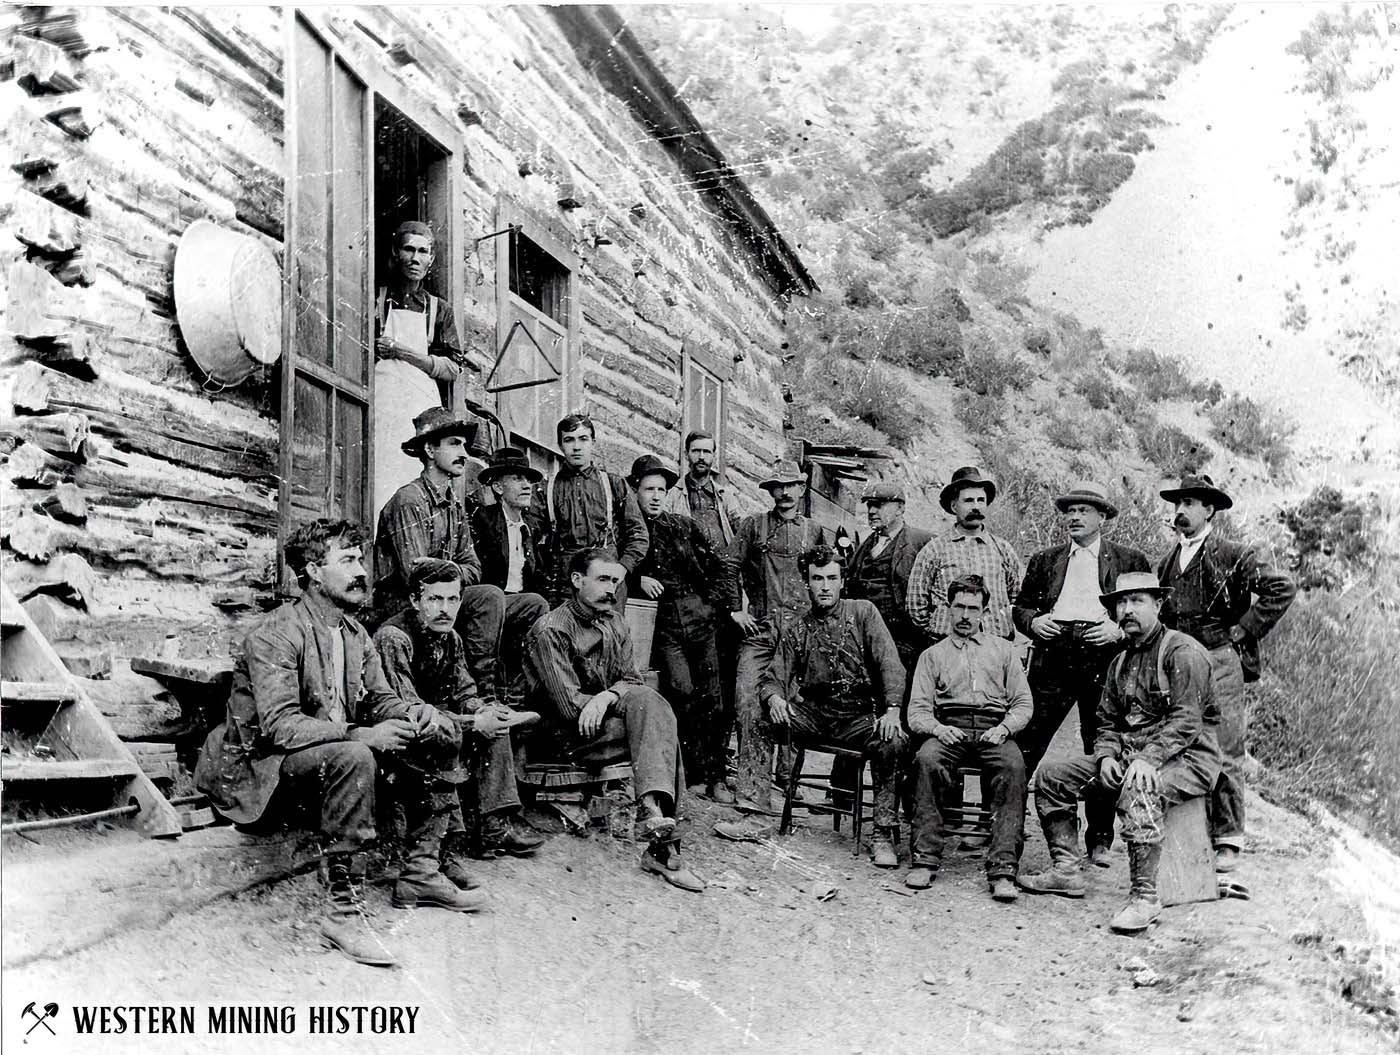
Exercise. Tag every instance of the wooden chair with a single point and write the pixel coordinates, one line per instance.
(853, 807)
(964, 813)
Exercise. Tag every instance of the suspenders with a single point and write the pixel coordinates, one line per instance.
(607, 498)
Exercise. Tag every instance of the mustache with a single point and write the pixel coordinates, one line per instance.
(1181, 520)
(358, 584)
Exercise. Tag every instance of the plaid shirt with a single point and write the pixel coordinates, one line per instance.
(419, 521)
(952, 555)
(424, 666)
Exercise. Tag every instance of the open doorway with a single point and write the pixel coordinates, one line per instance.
(412, 181)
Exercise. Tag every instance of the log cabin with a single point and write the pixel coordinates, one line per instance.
(597, 250)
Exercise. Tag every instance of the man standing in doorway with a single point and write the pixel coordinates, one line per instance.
(767, 548)
(1074, 637)
(1227, 595)
(701, 496)
(416, 350)
(587, 507)
(425, 518)
(506, 537)
(967, 548)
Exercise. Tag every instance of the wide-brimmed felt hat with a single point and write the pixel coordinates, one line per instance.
(505, 461)
(967, 476)
(1134, 582)
(784, 472)
(1089, 493)
(649, 464)
(433, 424)
(883, 491)
(1201, 486)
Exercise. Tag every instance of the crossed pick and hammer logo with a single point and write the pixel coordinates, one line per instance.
(40, 1018)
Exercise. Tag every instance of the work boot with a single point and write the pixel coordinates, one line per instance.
(664, 859)
(1064, 876)
(882, 851)
(345, 926)
(1142, 908)
(500, 834)
(454, 862)
(920, 877)
(1099, 857)
(421, 883)
(1227, 858)
(1003, 889)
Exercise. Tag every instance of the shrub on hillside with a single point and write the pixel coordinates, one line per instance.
(876, 397)
(988, 372)
(1169, 448)
(979, 414)
(1324, 712)
(1159, 377)
(1245, 427)
(1099, 175)
(1332, 537)
(1074, 426)
(1102, 394)
(927, 341)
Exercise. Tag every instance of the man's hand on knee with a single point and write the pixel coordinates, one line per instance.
(949, 734)
(392, 734)
(1111, 773)
(889, 726)
(779, 710)
(997, 734)
(594, 713)
(1142, 775)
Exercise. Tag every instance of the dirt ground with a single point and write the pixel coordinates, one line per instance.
(580, 951)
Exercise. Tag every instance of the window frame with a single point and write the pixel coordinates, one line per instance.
(695, 360)
(377, 85)
(510, 213)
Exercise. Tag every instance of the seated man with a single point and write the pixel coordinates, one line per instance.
(424, 661)
(1156, 747)
(312, 722)
(579, 670)
(836, 676)
(969, 698)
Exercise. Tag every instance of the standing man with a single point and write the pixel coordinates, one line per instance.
(1156, 747)
(767, 548)
(836, 676)
(689, 583)
(1228, 595)
(967, 548)
(969, 699)
(881, 565)
(701, 496)
(1074, 637)
(579, 664)
(587, 507)
(424, 662)
(425, 518)
(416, 349)
(312, 723)
(506, 537)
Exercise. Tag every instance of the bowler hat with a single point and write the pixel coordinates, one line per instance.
(884, 491)
(967, 476)
(433, 424)
(1201, 486)
(1134, 582)
(784, 472)
(505, 461)
(649, 464)
(1089, 493)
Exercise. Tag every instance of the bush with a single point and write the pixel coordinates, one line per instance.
(990, 373)
(877, 398)
(1099, 175)
(928, 341)
(1243, 426)
(979, 414)
(1306, 191)
(1332, 538)
(1102, 394)
(1324, 712)
(1169, 448)
(1074, 426)
(1159, 377)
(1038, 340)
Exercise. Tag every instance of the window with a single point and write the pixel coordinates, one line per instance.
(326, 383)
(704, 403)
(537, 322)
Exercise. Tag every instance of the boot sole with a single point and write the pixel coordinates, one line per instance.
(1074, 895)
(330, 943)
(1133, 930)
(426, 903)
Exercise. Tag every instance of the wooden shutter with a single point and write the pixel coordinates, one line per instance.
(328, 369)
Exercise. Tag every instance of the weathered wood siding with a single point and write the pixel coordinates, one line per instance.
(130, 481)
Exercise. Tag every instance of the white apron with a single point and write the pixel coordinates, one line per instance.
(401, 393)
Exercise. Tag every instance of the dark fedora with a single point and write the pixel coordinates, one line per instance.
(1134, 582)
(648, 464)
(967, 476)
(1200, 486)
(784, 472)
(1089, 493)
(435, 423)
(507, 460)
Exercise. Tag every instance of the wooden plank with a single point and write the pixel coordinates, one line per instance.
(1187, 870)
(85, 661)
(193, 671)
(72, 769)
(36, 692)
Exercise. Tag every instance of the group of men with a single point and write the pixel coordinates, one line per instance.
(499, 629)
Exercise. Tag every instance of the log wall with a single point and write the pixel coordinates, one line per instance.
(147, 497)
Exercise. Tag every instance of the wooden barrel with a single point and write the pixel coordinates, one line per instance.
(641, 621)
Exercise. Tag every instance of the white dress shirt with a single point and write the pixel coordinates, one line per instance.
(515, 571)
(1079, 597)
(1189, 546)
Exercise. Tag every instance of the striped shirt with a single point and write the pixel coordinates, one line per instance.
(574, 653)
(952, 555)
